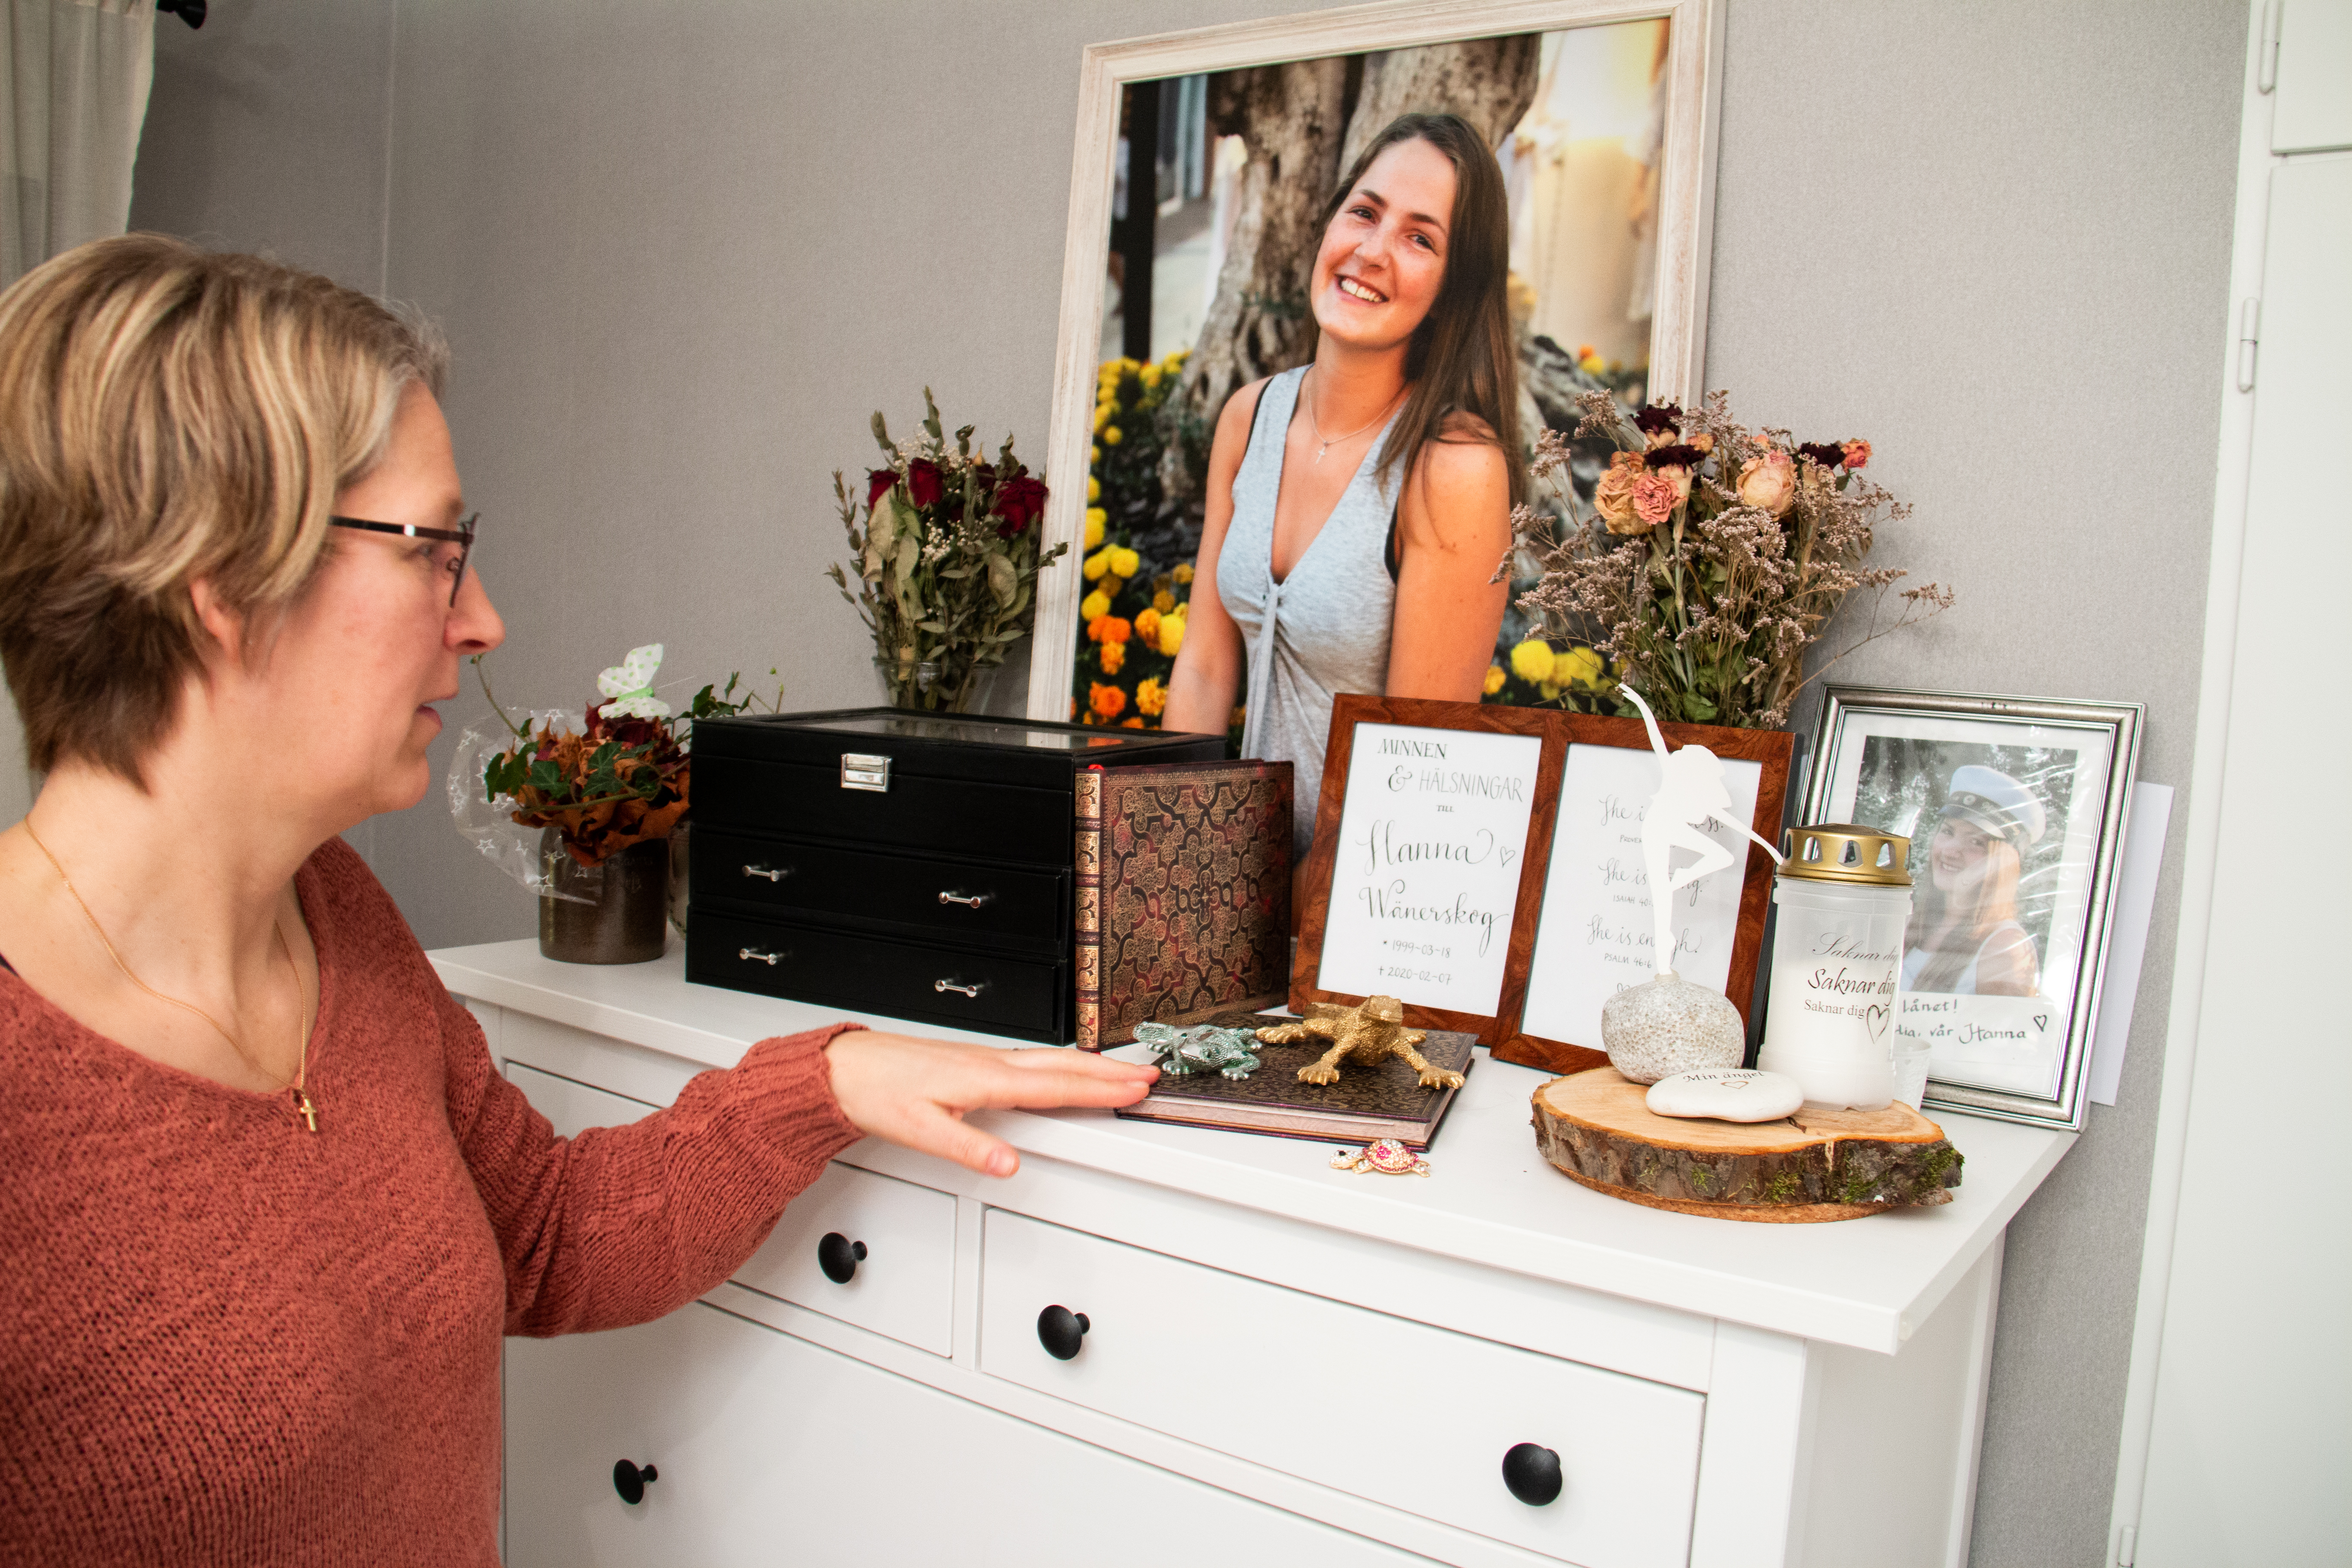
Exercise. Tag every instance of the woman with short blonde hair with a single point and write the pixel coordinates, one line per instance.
(270, 1204)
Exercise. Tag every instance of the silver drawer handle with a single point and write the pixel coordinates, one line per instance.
(773, 873)
(753, 955)
(970, 901)
(952, 985)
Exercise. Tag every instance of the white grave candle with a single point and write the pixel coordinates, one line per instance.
(1843, 898)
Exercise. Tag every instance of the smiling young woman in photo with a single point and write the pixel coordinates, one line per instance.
(1358, 506)
(1965, 935)
(271, 1205)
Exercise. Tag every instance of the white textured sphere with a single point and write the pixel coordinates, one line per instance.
(1666, 1024)
(1727, 1094)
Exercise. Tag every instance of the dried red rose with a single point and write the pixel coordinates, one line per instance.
(878, 483)
(1020, 500)
(925, 484)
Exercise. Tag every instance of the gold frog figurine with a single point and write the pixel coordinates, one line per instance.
(1366, 1034)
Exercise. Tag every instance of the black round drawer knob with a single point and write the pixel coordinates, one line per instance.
(1532, 1472)
(1062, 1332)
(631, 1482)
(839, 1256)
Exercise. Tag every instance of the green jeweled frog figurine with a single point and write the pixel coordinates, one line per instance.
(1202, 1047)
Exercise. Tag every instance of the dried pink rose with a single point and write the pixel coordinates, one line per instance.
(1858, 453)
(1655, 496)
(1679, 474)
(1769, 481)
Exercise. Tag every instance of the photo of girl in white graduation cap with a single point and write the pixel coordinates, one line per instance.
(1965, 935)
(1987, 830)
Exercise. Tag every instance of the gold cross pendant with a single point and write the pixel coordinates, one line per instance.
(305, 1108)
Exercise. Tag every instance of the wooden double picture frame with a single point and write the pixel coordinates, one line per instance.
(1484, 866)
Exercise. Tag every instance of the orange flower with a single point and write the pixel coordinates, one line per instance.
(1114, 654)
(1115, 628)
(1147, 626)
(1131, 723)
(1107, 702)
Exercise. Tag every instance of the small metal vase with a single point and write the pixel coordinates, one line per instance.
(626, 920)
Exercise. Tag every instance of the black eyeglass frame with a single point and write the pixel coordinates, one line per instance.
(462, 536)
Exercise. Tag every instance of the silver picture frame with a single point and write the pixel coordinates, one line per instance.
(2055, 776)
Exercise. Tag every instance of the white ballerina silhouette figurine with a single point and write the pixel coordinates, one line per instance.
(1690, 791)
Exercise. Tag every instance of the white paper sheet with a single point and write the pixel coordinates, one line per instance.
(1432, 841)
(2143, 859)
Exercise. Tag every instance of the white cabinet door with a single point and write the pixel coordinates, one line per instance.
(770, 1450)
(2315, 76)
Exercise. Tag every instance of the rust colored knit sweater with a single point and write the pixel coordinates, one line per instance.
(229, 1342)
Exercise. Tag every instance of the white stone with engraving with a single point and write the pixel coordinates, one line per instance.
(1727, 1094)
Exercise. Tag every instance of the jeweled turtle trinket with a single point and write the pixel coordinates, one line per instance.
(1385, 1155)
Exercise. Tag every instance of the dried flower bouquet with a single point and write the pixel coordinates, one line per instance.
(1712, 559)
(946, 560)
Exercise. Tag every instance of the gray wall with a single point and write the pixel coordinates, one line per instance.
(682, 252)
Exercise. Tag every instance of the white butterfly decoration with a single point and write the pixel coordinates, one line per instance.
(628, 686)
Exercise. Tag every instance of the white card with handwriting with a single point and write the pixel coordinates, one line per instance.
(1433, 837)
(1597, 935)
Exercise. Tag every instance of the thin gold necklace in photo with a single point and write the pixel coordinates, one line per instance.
(306, 1110)
(1325, 443)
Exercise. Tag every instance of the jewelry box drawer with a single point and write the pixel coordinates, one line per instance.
(1414, 1416)
(1026, 997)
(1006, 822)
(945, 900)
(891, 1243)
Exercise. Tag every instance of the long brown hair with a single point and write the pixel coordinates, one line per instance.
(1464, 357)
(1995, 904)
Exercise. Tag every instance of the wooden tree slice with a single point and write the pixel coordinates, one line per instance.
(1813, 1165)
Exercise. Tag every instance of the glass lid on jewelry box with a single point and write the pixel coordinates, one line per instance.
(2015, 809)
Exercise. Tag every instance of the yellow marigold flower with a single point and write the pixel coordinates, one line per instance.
(1532, 660)
(1113, 585)
(1164, 601)
(1172, 633)
(1103, 411)
(1107, 701)
(1094, 527)
(1578, 666)
(1095, 565)
(1151, 697)
(1114, 654)
(1592, 364)
(1550, 690)
(1147, 626)
(1180, 356)
(1111, 435)
(1149, 375)
(1183, 572)
(1131, 723)
(1094, 490)
(1095, 607)
(1098, 453)
(1124, 561)
(1493, 681)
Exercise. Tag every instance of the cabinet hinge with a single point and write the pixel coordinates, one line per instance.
(2250, 338)
(2266, 60)
(2127, 1545)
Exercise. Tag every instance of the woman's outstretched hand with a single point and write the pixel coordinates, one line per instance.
(915, 1093)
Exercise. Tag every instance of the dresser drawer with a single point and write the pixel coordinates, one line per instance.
(953, 816)
(1414, 1416)
(954, 900)
(904, 1286)
(1026, 997)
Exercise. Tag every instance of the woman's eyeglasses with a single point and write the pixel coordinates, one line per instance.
(462, 536)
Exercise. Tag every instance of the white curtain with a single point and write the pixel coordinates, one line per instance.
(73, 93)
(76, 74)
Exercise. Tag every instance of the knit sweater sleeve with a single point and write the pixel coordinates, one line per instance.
(621, 1225)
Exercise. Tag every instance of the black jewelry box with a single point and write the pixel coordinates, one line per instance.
(910, 864)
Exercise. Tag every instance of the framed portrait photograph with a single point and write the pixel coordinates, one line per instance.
(2015, 809)
(1202, 165)
(1427, 863)
(1595, 931)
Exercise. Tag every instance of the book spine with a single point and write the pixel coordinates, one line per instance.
(1088, 954)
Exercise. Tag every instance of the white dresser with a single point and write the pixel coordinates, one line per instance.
(1280, 1363)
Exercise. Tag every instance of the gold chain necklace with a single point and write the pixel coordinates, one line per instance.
(1325, 443)
(305, 1109)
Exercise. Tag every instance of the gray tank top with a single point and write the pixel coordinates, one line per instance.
(1320, 631)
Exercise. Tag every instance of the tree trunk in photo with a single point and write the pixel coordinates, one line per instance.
(1490, 82)
(1292, 117)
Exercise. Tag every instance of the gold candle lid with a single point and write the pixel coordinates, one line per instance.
(1844, 852)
